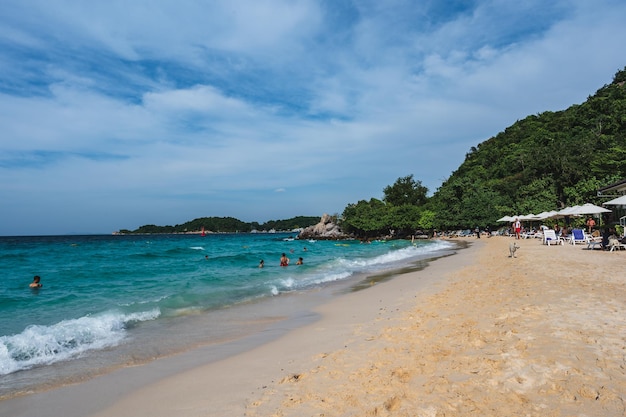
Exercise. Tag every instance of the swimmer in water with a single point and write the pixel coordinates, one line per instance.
(36, 282)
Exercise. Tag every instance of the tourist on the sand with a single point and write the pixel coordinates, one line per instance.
(36, 282)
(517, 226)
(590, 224)
(284, 261)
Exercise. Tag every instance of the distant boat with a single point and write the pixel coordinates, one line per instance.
(203, 233)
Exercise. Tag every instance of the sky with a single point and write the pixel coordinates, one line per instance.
(119, 114)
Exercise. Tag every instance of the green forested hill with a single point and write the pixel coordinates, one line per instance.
(540, 163)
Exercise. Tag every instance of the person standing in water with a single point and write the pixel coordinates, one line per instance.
(262, 263)
(300, 261)
(284, 261)
(36, 282)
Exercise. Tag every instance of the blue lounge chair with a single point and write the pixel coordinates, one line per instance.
(578, 236)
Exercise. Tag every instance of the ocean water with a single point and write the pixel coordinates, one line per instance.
(107, 300)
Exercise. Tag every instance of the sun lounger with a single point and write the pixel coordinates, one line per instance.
(550, 238)
(578, 236)
(593, 243)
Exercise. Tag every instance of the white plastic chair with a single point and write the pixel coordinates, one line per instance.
(549, 238)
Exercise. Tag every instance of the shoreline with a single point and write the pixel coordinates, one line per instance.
(251, 324)
(470, 334)
(180, 329)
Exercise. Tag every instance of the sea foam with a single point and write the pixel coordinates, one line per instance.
(43, 345)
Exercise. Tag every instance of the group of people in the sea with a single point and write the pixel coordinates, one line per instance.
(284, 260)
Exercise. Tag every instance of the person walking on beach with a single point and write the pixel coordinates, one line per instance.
(284, 261)
(36, 282)
(518, 228)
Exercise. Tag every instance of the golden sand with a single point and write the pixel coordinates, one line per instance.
(543, 334)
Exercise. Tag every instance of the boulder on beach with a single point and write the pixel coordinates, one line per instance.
(326, 229)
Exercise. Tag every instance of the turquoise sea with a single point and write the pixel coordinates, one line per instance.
(109, 300)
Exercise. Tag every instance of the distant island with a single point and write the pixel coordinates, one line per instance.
(225, 225)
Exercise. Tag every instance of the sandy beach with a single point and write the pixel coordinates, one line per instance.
(473, 334)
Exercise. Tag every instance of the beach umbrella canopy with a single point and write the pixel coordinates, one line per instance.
(505, 219)
(619, 201)
(567, 211)
(589, 208)
(550, 214)
(546, 215)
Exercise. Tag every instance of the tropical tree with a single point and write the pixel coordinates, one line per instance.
(366, 218)
(405, 190)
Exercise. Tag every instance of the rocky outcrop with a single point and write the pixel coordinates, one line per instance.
(326, 229)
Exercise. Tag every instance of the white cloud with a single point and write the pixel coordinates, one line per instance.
(136, 111)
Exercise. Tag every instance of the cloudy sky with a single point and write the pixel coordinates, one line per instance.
(118, 114)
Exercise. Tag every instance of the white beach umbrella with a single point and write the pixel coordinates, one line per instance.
(567, 211)
(505, 219)
(540, 216)
(549, 214)
(619, 201)
(589, 208)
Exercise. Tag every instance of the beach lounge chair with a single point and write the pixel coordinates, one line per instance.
(593, 243)
(550, 238)
(614, 244)
(578, 236)
(595, 240)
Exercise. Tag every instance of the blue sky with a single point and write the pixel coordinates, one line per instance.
(117, 114)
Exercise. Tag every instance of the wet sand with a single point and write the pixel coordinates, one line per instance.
(474, 334)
